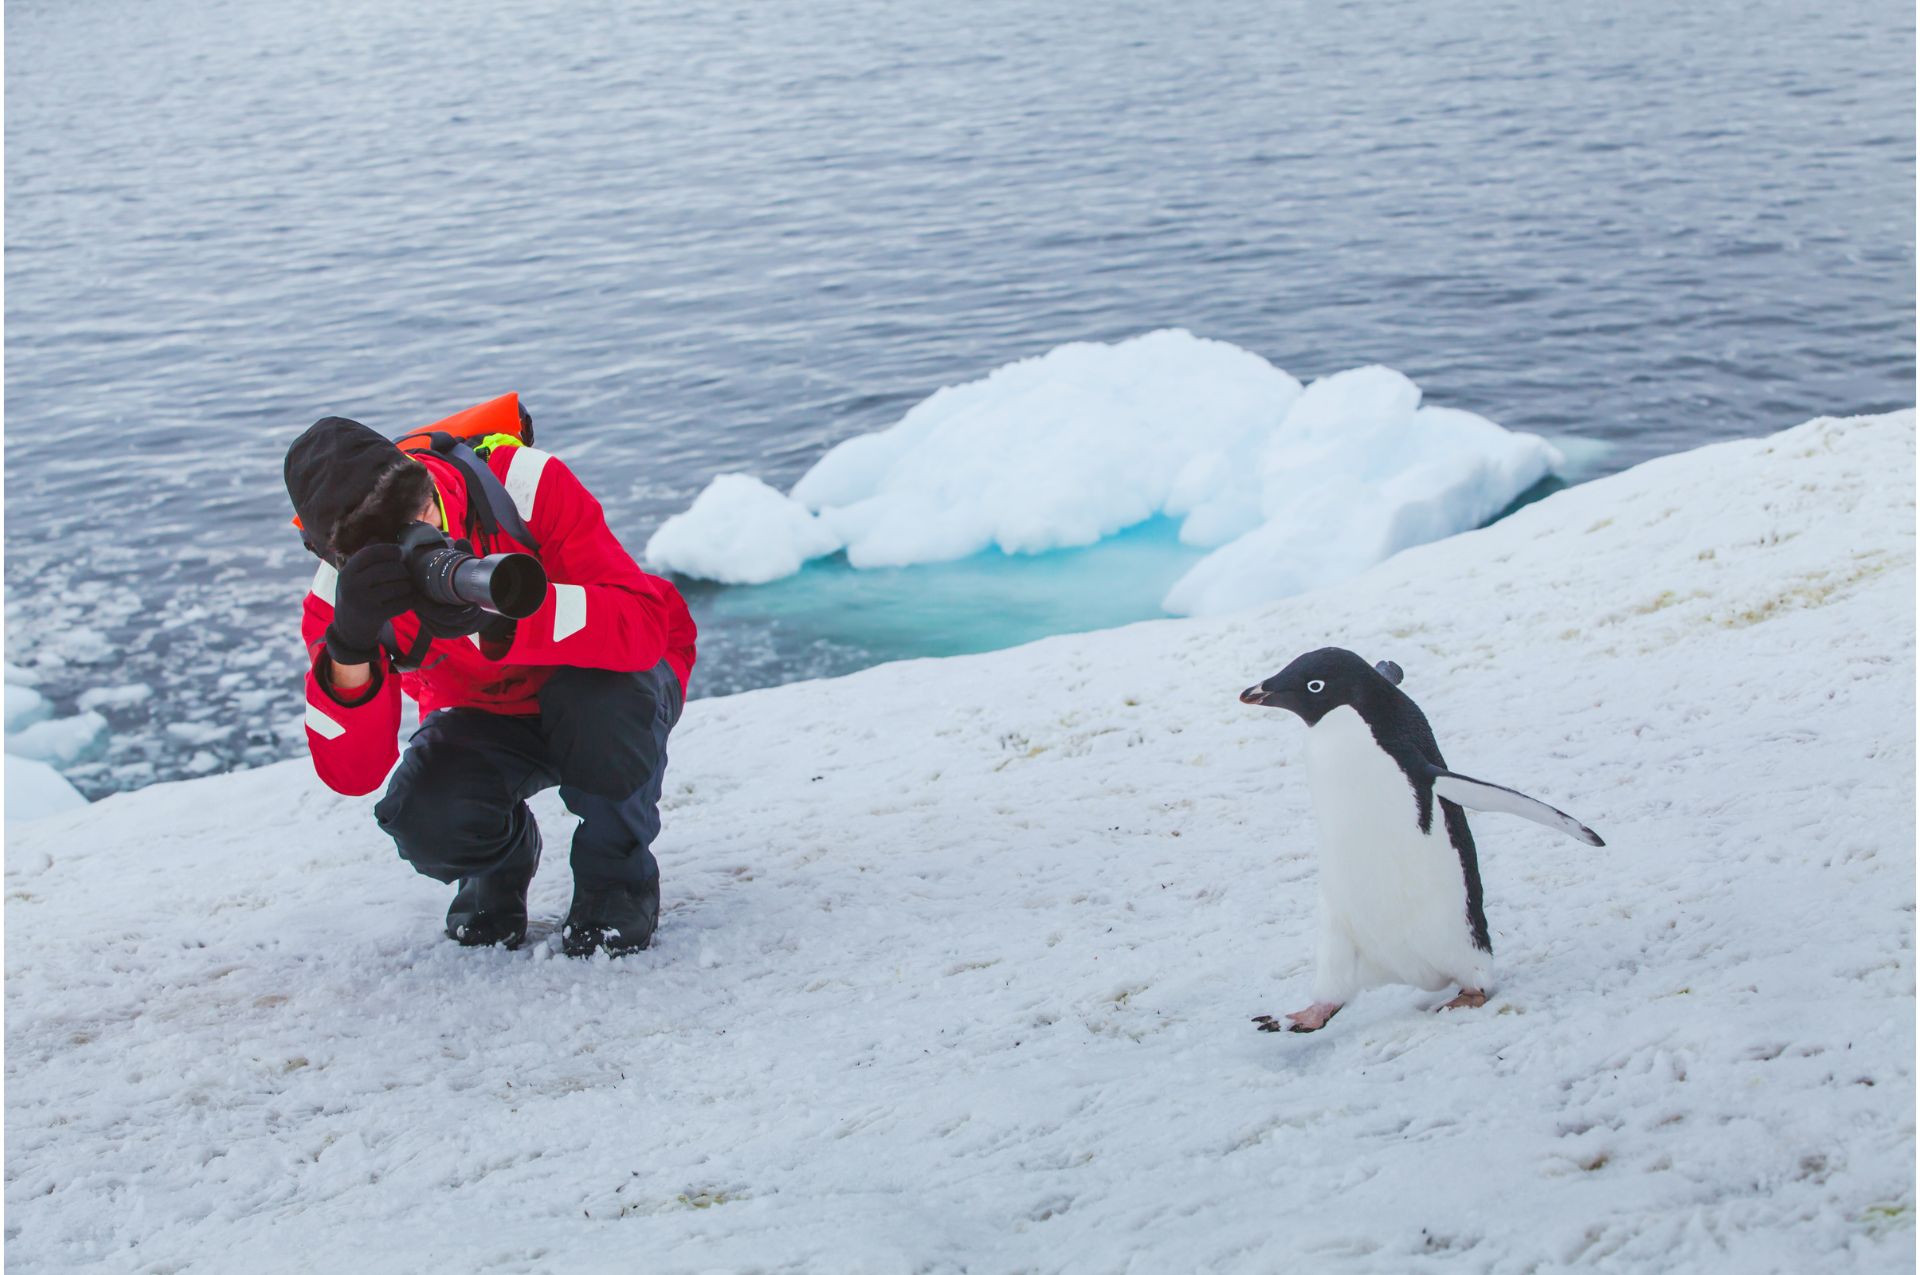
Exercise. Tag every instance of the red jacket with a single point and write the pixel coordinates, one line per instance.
(601, 611)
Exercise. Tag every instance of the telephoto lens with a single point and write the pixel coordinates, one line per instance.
(509, 584)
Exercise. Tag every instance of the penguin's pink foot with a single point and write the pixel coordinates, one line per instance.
(1310, 1019)
(1469, 998)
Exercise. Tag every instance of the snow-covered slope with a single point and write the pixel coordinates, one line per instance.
(959, 955)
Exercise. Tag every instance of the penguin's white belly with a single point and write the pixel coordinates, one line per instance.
(1396, 894)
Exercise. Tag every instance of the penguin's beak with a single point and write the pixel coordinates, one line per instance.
(1264, 698)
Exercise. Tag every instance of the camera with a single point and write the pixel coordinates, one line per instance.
(509, 584)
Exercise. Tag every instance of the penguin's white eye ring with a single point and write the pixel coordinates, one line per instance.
(1316, 686)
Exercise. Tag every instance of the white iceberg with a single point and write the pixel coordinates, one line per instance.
(1048, 453)
(1292, 488)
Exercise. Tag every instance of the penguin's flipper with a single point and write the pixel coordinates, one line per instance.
(1389, 670)
(1475, 794)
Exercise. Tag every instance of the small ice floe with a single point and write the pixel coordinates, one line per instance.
(38, 744)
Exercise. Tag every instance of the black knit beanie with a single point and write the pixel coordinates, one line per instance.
(331, 468)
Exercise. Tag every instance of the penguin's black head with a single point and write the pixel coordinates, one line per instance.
(1317, 683)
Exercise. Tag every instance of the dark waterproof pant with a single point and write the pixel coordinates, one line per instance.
(457, 805)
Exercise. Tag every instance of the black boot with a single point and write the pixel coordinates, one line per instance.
(615, 918)
(493, 908)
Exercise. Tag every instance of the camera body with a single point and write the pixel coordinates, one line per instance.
(509, 584)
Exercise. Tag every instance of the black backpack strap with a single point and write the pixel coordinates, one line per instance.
(486, 495)
(408, 660)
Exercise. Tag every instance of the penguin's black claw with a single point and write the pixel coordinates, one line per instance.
(1267, 1024)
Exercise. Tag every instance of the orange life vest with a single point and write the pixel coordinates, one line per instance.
(502, 415)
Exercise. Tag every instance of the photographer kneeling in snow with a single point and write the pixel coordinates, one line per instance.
(579, 693)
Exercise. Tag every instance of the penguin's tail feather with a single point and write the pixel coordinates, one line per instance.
(1477, 794)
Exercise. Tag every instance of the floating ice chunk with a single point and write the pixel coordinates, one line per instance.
(254, 703)
(1050, 453)
(36, 790)
(79, 645)
(739, 531)
(1290, 487)
(62, 742)
(195, 734)
(115, 696)
(25, 706)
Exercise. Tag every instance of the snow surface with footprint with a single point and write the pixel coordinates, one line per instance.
(958, 956)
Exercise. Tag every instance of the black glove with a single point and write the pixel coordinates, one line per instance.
(374, 586)
(444, 620)
(450, 619)
(496, 635)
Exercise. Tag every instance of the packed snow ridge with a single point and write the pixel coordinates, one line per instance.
(958, 955)
(1290, 488)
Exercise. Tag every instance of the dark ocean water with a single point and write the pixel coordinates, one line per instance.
(701, 238)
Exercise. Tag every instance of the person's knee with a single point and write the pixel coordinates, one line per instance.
(410, 815)
(448, 819)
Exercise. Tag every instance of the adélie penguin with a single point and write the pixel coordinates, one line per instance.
(1399, 881)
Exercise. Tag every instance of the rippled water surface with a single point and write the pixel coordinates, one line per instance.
(700, 238)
